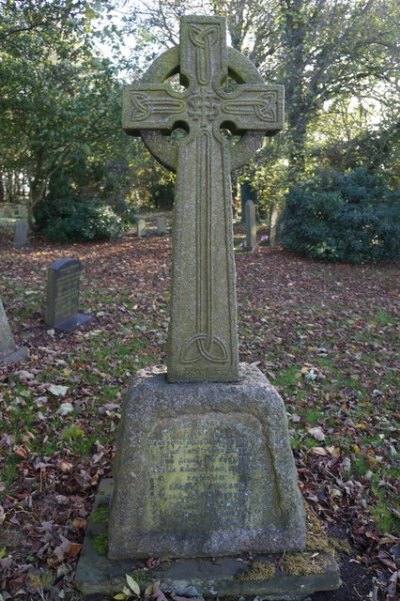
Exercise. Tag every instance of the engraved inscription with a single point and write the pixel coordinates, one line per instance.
(206, 474)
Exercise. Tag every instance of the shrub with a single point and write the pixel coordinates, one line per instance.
(72, 220)
(349, 217)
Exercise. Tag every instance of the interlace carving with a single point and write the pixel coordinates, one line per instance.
(143, 106)
(204, 108)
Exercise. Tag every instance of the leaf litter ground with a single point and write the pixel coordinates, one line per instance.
(327, 336)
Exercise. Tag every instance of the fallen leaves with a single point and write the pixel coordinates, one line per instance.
(317, 328)
(317, 433)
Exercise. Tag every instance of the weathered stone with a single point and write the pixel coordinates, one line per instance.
(21, 230)
(141, 228)
(204, 469)
(9, 352)
(226, 577)
(202, 342)
(251, 225)
(161, 226)
(62, 301)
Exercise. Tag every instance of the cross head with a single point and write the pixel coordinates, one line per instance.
(203, 342)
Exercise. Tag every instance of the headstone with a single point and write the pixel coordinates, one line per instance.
(9, 353)
(161, 226)
(62, 301)
(251, 225)
(203, 466)
(141, 228)
(22, 212)
(21, 229)
(247, 192)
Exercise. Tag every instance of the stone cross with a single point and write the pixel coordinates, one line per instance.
(203, 343)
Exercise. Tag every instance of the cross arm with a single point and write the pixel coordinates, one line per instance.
(255, 108)
(150, 106)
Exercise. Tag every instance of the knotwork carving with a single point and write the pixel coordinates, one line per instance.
(203, 346)
(203, 38)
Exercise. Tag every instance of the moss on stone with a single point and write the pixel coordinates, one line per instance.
(100, 543)
(258, 571)
(316, 539)
(340, 545)
(100, 514)
(303, 564)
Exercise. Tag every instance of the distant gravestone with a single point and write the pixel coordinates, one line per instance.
(247, 192)
(141, 228)
(161, 226)
(21, 230)
(62, 301)
(22, 212)
(250, 225)
(9, 353)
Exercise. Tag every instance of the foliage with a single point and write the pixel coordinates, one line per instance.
(60, 102)
(343, 217)
(73, 220)
(297, 43)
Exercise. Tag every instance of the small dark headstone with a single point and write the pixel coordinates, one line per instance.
(62, 305)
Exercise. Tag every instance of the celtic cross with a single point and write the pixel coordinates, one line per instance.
(203, 341)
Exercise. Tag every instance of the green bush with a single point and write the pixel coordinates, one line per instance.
(351, 217)
(73, 220)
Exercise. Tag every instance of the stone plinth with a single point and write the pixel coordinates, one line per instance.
(204, 469)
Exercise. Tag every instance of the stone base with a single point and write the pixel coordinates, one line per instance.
(204, 469)
(273, 576)
(19, 354)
